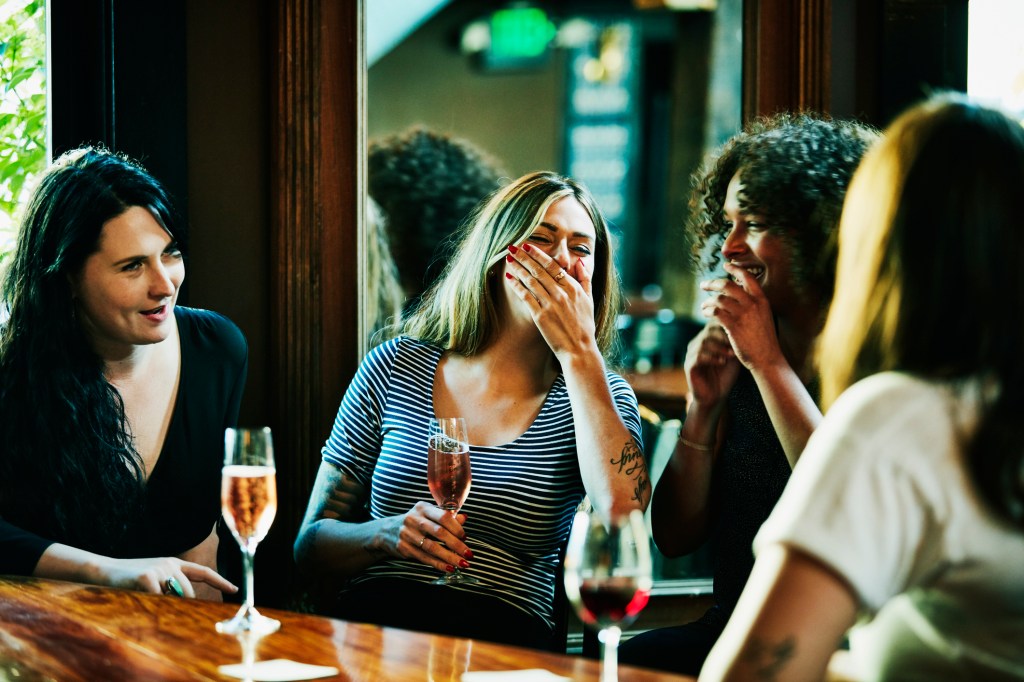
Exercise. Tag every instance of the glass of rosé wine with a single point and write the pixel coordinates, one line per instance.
(449, 476)
(248, 500)
(608, 577)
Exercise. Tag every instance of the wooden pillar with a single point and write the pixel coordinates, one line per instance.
(786, 62)
(317, 184)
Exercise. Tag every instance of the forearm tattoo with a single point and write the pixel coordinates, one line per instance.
(335, 496)
(631, 463)
(768, 659)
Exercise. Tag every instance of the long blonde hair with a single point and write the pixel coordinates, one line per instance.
(459, 312)
(384, 296)
(928, 283)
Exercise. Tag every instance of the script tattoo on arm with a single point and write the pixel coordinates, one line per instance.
(768, 659)
(631, 463)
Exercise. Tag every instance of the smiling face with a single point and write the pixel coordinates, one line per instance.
(759, 249)
(566, 234)
(126, 290)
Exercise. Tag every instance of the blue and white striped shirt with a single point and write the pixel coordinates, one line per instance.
(523, 495)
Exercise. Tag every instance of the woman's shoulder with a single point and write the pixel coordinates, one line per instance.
(403, 350)
(891, 414)
(890, 394)
(208, 330)
(616, 380)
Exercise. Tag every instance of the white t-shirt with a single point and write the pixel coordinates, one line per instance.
(881, 496)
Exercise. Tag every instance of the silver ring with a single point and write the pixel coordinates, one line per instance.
(422, 540)
(172, 586)
(560, 275)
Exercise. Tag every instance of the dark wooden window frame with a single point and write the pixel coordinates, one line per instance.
(318, 185)
(318, 166)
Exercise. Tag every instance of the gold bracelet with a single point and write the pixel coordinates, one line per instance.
(695, 446)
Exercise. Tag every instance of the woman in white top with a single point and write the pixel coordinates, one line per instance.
(907, 508)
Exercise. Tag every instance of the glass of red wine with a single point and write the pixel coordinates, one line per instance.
(249, 504)
(608, 577)
(449, 476)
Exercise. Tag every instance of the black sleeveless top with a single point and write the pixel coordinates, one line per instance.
(750, 475)
(182, 497)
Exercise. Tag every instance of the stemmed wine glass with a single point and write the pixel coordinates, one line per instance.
(248, 500)
(608, 577)
(449, 476)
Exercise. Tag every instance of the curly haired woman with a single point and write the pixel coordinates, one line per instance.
(426, 183)
(772, 198)
(906, 515)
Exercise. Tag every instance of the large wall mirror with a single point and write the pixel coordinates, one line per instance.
(625, 99)
(628, 100)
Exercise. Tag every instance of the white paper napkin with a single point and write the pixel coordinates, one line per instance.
(532, 675)
(277, 670)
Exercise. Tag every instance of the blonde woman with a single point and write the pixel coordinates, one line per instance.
(908, 504)
(512, 338)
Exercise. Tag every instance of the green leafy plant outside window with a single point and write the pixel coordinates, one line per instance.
(22, 109)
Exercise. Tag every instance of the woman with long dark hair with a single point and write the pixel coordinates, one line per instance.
(113, 399)
(908, 504)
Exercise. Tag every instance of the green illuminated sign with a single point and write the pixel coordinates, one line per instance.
(522, 32)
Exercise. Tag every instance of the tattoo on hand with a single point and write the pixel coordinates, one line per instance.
(768, 659)
(631, 463)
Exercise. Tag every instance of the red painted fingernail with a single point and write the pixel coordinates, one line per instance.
(508, 276)
(526, 247)
(463, 563)
(512, 248)
(449, 568)
(468, 554)
(510, 259)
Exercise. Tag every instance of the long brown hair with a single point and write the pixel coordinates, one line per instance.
(929, 281)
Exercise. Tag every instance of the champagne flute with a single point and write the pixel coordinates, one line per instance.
(449, 476)
(608, 577)
(249, 502)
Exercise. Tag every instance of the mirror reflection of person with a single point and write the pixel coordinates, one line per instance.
(513, 338)
(113, 399)
(773, 196)
(426, 182)
(383, 294)
(908, 504)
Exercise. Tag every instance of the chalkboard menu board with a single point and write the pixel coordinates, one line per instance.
(601, 135)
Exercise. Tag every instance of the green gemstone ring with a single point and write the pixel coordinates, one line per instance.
(172, 586)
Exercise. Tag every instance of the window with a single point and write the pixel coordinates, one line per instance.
(23, 127)
(995, 54)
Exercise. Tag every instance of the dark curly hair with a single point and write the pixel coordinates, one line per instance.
(795, 170)
(426, 183)
(68, 466)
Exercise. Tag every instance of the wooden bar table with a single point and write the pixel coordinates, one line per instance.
(662, 390)
(51, 630)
